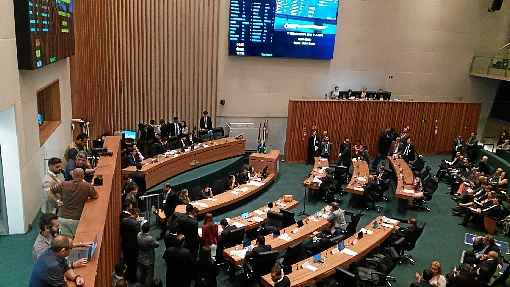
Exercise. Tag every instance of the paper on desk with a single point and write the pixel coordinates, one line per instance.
(238, 224)
(285, 237)
(358, 188)
(349, 252)
(200, 204)
(408, 190)
(367, 231)
(387, 225)
(256, 183)
(235, 192)
(244, 189)
(238, 253)
(211, 199)
(310, 267)
(389, 220)
(259, 212)
(257, 219)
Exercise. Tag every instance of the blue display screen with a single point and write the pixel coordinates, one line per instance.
(283, 28)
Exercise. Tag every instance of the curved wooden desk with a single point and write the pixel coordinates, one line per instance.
(289, 236)
(360, 173)
(100, 220)
(165, 166)
(405, 179)
(318, 171)
(302, 273)
(229, 197)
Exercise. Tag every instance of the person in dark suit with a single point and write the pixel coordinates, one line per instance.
(175, 128)
(261, 247)
(226, 228)
(458, 144)
(188, 226)
(206, 269)
(164, 129)
(483, 166)
(396, 147)
(134, 157)
(325, 147)
(205, 122)
(129, 228)
(465, 276)
(382, 179)
(408, 153)
(180, 263)
(314, 144)
(345, 155)
(472, 147)
(487, 267)
(371, 192)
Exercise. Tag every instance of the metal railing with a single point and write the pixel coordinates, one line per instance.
(149, 203)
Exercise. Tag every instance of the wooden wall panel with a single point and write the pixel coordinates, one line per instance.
(364, 121)
(138, 60)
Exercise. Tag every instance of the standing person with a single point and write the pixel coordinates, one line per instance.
(325, 147)
(52, 269)
(146, 257)
(131, 199)
(176, 128)
(80, 144)
(458, 144)
(472, 147)
(170, 202)
(188, 226)
(180, 263)
(209, 232)
(73, 195)
(206, 269)
(314, 143)
(345, 155)
(51, 179)
(409, 153)
(129, 228)
(205, 122)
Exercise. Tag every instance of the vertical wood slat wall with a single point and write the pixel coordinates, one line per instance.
(364, 121)
(138, 60)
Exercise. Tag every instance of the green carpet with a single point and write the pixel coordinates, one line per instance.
(442, 239)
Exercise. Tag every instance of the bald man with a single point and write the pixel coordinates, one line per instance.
(487, 267)
(72, 196)
(51, 267)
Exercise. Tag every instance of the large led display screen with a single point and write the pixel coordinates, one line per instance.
(283, 28)
(44, 31)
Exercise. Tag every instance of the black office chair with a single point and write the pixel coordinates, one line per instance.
(402, 246)
(288, 217)
(228, 239)
(345, 278)
(219, 186)
(292, 255)
(196, 193)
(352, 225)
(260, 264)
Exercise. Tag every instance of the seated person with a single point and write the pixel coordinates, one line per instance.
(206, 125)
(499, 181)
(78, 160)
(371, 192)
(184, 197)
(264, 173)
(483, 165)
(278, 277)
(232, 182)
(487, 266)
(464, 276)
(337, 219)
(477, 209)
(134, 157)
(260, 247)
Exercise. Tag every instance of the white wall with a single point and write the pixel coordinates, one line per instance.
(427, 47)
(22, 154)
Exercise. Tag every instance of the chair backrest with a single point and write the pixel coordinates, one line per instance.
(263, 262)
(353, 225)
(219, 186)
(345, 278)
(233, 237)
(275, 219)
(288, 217)
(195, 193)
(294, 254)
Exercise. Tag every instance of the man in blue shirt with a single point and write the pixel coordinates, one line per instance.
(51, 267)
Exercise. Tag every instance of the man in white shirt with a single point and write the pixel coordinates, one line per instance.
(337, 219)
(52, 178)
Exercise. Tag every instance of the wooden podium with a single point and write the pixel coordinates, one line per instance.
(260, 160)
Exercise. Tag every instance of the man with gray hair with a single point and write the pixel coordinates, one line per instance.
(72, 195)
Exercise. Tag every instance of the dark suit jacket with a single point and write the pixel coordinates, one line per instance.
(171, 201)
(189, 228)
(485, 168)
(258, 249)
(180, 267)
(165, 130)
(172, 129)
(129, 229)
(486, 269)
(206, 124)
(311, 147)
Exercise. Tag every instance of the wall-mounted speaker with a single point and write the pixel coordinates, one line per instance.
(495, 5)
(222, 102)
